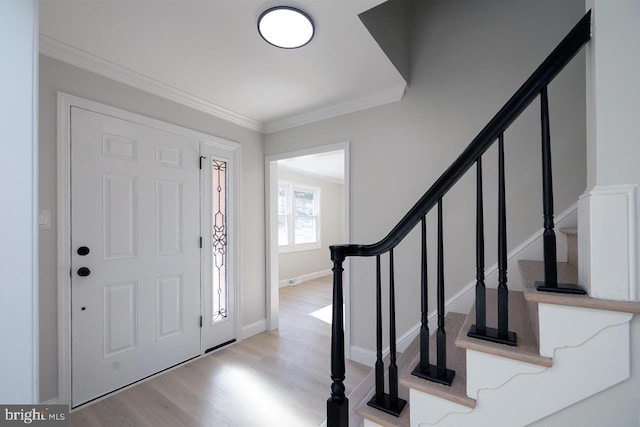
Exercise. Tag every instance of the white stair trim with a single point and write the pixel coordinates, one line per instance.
(580, 343)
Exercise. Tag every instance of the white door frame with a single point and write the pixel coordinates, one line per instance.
(64, 104)
(271, 205)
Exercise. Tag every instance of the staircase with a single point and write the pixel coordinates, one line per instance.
(563, 341)
(517, 356)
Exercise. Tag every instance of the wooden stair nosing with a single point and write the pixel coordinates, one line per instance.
(527, 349)
(567, 273)
(456, 360)
(384, 419)
(569, 230)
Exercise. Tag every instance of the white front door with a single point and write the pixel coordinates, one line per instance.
(135, 252)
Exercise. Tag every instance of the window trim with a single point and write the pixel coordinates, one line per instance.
(291, 217)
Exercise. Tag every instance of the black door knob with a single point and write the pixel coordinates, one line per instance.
(84, 271)
(83, 250)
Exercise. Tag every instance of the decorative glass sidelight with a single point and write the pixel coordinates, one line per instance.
(219, 248)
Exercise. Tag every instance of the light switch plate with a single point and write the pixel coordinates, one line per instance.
(44, 219)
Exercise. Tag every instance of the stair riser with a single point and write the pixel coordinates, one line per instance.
(562, 326)
(431, 409)
(486, 371)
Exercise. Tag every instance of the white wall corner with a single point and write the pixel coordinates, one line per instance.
(365, 356)
(608, 242)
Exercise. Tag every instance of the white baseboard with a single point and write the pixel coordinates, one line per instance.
(462, 301)
(303, 278)
(254, 328)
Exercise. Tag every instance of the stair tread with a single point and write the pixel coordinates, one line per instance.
(384, 419)
(533, 271)
(406, 362)
(527, 349)
(456, 360)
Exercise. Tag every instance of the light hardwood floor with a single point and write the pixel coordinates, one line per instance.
(276, 378)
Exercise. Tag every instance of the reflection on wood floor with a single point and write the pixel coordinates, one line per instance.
(276, 378)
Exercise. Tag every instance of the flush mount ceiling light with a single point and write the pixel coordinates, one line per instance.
(286, 27)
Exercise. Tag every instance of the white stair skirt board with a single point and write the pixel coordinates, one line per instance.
(461, 302)
(609, 242)
(588, 357)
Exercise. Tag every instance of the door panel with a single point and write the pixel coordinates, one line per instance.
(136, 206)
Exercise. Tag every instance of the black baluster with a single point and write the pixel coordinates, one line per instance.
(391, 404)
(444, 375)
(379, 367)
(501, 334)
(337, 404)
(423, 368)
(550, 283)
(503, 291)
(393, 367)
(480, 328)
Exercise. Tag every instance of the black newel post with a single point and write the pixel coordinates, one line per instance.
(337, 404)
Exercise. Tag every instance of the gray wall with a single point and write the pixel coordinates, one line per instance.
(295, 264)
(56, 76)
(467, 58)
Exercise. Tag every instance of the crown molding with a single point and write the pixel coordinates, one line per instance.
(63, 52)
(86, 61)
(374, 100)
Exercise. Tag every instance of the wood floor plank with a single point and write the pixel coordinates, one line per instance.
(277, 377)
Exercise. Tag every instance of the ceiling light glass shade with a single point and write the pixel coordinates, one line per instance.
(286, 27)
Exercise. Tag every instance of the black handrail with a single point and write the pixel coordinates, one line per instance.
(540, 78)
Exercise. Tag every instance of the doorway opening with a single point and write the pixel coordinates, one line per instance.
(307, 211)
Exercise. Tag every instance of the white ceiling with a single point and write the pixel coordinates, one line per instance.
(208, 54)
(329, 165)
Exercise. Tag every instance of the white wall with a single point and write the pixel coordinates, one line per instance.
(57, 76)
(613, 150)
(18, 186)
(613, 141)
(467, 58)
(296, 264)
